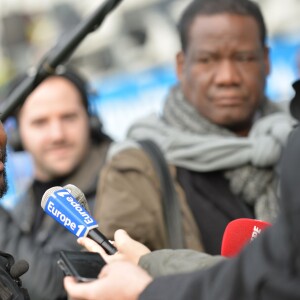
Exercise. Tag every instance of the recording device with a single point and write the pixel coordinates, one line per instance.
(60, 205)
(10, 281)
(238, 233)
(84, 266)
(18, 269)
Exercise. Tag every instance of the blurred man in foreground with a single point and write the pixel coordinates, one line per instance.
(56, 127)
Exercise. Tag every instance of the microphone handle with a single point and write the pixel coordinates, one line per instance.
(99, 238)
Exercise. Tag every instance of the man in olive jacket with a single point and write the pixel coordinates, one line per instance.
(220, 135)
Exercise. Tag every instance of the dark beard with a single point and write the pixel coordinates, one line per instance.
(238, 128)
(4, 186)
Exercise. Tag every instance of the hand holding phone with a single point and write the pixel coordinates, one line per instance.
(84, 266)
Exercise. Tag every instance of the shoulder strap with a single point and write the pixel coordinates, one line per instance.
(170, 202)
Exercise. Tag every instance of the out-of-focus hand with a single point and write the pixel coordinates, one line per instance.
(128, 248)
(117, 281)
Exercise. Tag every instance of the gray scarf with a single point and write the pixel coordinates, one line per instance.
(191, 141)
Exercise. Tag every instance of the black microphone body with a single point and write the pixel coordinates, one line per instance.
(100, 239)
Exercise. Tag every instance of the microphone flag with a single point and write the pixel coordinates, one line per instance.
(238, 233)
(65, 209)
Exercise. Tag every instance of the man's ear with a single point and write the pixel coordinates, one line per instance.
(180, 65)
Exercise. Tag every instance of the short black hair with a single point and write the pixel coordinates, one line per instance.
(67, 72)
(212, 7)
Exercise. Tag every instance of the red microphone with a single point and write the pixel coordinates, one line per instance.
(238, 233)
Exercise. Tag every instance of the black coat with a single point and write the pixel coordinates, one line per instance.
(267, 269)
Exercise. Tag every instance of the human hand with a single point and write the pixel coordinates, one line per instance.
(117, 281)
(128, 248)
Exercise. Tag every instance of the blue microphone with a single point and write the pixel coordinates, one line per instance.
(60, 205)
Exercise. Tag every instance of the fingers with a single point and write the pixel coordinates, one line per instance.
(131, 249)
(118, 280)
(92, 246)
(89, 244)
(123, 240)
(74, 289)
(128, 248)
(121, 236)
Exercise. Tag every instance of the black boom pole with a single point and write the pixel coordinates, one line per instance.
(56, 56)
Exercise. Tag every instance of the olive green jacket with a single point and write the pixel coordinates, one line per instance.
(129, 197)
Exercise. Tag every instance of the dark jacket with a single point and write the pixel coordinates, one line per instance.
(267, 269)
(40, 249)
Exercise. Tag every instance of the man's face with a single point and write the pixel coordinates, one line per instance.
(222, 73)
(3, 180)
(54, 128)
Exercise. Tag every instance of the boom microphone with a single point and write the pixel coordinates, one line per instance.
(238, 233)
(60, 205)
(57, 55)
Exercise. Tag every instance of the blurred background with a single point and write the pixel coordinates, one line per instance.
(129, 59)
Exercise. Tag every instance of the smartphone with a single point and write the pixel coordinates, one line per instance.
(84, 266)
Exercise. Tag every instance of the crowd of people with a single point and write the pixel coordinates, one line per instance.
(230, 152)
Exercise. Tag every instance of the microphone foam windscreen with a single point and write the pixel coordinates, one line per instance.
(238, 233)
(47, 194)
(78, 195)
(19, 268)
